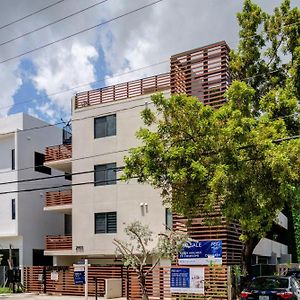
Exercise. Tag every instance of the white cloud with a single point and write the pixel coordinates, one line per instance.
(67, 69)
(10, 81)
(143, 38)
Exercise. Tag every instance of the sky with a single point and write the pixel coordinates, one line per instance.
(43, 81)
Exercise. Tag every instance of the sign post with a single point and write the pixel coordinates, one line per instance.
(81, 276)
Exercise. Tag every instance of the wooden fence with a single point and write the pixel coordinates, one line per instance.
(158, 282)
(58, 198)
(59, 242)
(58, 152)
(122, 91)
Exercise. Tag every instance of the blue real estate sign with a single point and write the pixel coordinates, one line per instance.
(79, 277)
(187, 280)
(201, 253)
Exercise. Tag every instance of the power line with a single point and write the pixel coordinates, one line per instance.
(81, 31)
(117, 169)
(76, 119)
(52, 23)
(87, 84)
(84, 118)
(60, 186)
(93, 116)
(31, 14)
(96, 181)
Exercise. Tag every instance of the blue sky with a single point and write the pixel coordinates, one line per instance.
(41, 83)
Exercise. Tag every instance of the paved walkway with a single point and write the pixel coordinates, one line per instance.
(46, 297)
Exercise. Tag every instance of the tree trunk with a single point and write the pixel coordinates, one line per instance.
(142, 280)
(248, 247)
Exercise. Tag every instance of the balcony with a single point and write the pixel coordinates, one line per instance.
(123, 90)
(58, 242)
(59, 157)
(59, 201)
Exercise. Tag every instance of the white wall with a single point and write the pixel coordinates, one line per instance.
(8, 226)
(32, 223)
(125, 198)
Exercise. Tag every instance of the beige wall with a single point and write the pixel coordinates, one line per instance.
(124, 198)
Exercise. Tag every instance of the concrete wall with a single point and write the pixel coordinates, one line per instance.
(124, 198)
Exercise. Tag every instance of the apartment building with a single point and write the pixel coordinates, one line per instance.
(23, 221)
(104, 122)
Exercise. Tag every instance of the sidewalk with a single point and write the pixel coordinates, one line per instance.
(46, 297)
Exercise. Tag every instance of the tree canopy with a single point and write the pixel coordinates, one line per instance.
(244, 156)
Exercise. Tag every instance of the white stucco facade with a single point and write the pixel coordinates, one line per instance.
(131, 201)
(24, 229)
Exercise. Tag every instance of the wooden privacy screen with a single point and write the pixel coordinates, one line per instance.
(122, 91)
(228, 233)
(202, 72)
(158, 285)
(58, 198)
(65, 284)
(158, 282)
(58, 152)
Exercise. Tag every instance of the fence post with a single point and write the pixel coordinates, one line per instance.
(45, 280)
(96, 288)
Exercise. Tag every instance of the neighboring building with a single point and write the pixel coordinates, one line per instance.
(23, 222)
(104, 124)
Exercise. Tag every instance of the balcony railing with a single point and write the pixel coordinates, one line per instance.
(58, 152)
(123, 90)
(58, 242)
(58, 198)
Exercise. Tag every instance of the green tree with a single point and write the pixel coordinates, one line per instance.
(141, 248)
(244, 156)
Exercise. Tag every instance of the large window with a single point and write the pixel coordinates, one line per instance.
(104, 126)
(106, 222)
(105, 174)
(39, 160)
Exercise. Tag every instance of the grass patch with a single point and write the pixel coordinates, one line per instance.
(5, 290)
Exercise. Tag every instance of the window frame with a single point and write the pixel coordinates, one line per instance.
(106, 181)
(106, 129)
(106, 225)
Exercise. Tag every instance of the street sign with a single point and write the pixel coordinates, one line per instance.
(201, 253)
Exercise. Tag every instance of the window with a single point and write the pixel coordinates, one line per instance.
(106, 222)
(13, 209)
(169, 219)
(104, 126)
(13, 164)
(39, 160)
(105, 174)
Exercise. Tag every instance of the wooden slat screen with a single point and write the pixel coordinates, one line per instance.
(65, 284)
(58, 198)
(58, 152)
(202, 73)
(122, 91)
(58, 242)
(228, 233)
(158, 282)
